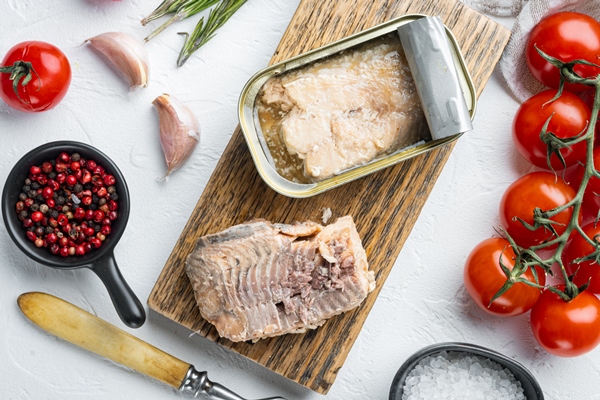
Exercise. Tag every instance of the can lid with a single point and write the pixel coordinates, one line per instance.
(430, 60)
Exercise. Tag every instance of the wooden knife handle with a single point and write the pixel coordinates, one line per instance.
(79, 327)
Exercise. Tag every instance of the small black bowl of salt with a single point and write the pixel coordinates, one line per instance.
(463, 371)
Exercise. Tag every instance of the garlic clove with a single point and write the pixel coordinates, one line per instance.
(126, 53)
(179, 131)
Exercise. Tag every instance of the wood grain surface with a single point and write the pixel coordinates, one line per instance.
(385, 205)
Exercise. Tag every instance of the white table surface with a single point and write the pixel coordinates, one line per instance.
(423, 301)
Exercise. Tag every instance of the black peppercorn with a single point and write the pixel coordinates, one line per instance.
(35, 185)
(23, 215)
(22, 196)
(95, 199)
(32, 193)
(102, 201)
(75, 157)
(40, 198)
(26, 188)
(54, 214)
(88, 186)
(28, 181)
(53, 162)
(52, 175)
(114, 196)
(75, 206)
(34, 207)
(111, 189)
(93, 206)
(48, 230)
(78, 188)
(97, 227)
(60, 200)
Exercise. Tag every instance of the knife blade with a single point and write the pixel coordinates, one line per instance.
(85, 330)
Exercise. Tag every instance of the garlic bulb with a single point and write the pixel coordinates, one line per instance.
(179, 131)
(126, 53)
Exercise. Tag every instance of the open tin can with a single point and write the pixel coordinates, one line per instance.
(255, 137)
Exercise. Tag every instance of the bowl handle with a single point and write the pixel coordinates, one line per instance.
(126, 303)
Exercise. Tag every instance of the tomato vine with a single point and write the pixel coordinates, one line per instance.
(528, 258)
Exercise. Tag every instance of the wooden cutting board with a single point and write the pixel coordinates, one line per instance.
(385, 205)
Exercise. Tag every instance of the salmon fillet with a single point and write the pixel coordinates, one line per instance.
(258, 279)
(348, 109)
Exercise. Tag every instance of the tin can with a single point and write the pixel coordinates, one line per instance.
(255, 139)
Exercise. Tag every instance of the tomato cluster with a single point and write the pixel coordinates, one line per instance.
(536, 211)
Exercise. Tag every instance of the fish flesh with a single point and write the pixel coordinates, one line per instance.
(343, 111)
(261, 279)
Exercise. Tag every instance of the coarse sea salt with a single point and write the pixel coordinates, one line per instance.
(456, 375)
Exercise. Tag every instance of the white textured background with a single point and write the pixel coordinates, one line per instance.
(423, 301)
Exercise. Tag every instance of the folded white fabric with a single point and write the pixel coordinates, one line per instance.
(512, 64)
(503, 8)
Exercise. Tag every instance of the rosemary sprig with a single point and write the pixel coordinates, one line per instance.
(205, 31)
(166, 7)
(187, 8)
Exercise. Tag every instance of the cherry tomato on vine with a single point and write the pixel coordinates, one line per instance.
(578, 247)
(566, 329)
(567, 36)
(541, 190)
(570, 117)
(41, 73)
(483, 278)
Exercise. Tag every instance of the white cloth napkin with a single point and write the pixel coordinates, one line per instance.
(512, 64)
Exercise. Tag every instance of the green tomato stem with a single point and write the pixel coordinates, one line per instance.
(21, 71)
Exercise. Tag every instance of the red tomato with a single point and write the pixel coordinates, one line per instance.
(567, 36)
(566, 329)
(591, 197)
(483, 278)
(50, 77)
(571, 117)
(579, 247)
(540, 189)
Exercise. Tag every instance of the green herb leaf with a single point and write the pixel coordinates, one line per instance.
(205, 31)
(186, 9)
(166, 7)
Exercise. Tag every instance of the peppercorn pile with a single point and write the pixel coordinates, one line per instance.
(68, 204)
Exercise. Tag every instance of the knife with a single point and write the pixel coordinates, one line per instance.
(83, 329)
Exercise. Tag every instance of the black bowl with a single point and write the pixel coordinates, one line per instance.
(101, 261)
(531, 388)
